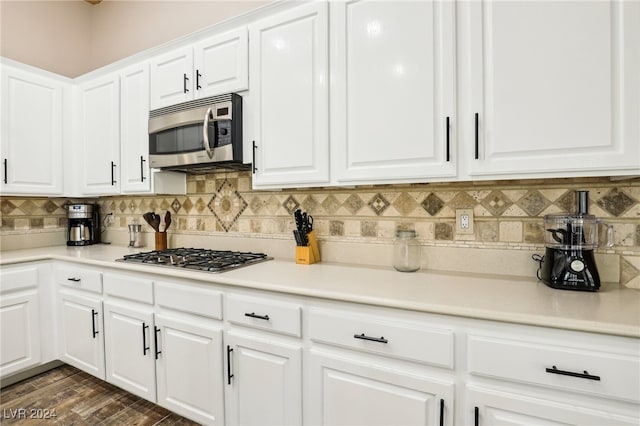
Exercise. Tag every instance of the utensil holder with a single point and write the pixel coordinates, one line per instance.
(309, 254)
(161, 240)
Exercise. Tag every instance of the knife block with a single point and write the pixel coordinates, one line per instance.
(309, 254)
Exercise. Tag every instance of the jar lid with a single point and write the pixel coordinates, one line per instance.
(405, 234)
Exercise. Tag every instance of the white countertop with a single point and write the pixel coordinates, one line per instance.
(612, 310)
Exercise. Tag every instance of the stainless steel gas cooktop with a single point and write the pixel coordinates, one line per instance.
(197, 259)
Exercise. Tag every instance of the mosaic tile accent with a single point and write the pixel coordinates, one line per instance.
(405, 204)
(432, 204)
(7, 207)
(533, 203)
(616, 202)
(227, 205)
(291, 204)
(497, 203)
(331, 204)
(175, 205)
(378, 204)
(353, 203)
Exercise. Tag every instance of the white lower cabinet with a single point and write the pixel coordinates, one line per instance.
(348, 389)
(80, 332)
(491, 407)
(19, 320)
(189, 369)
(264, 381)
(129, 349)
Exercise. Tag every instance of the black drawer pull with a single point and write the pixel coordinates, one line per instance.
(145, 348)
(184, 82)
(476, 416)
(75, 280)
(441, 412)
(584, 375)
(155, 340)
(254, 315)
(254, 168)
(94, 314)
(229, 375)
(142, 161)
(372, 339)
(448, 153)
(5, 170)
(113, 173)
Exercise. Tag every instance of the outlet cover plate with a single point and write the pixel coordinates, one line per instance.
(464, 221)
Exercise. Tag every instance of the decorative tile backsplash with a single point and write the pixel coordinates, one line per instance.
(508, 214)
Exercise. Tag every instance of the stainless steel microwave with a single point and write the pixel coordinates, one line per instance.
(197, 135)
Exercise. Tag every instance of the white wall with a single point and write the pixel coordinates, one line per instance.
(73, 37)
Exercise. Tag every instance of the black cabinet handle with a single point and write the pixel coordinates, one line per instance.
(75, 280)
(198, 75)
(145, 348)
(156, 330)
(229, 375)
(477, 137)
(372, 339)
(584, 375)
(113, 173)
(441, 412)
(185, 83)
(254, 315)
(448, 153)
(476, 416)
(142, 161)
(4, 162)
(255, 169)
(94, 314)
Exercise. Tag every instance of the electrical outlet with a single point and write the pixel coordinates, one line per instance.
(464, 221)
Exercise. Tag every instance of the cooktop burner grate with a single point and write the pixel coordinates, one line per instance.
(197, 259)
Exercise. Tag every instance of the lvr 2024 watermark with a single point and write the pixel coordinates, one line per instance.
(28, 413)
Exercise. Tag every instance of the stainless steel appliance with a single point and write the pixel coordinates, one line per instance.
(569, 262)
(197, 259)
(83, 226)
(197, 135)
(135, 235)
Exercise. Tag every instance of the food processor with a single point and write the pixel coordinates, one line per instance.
(570, 240)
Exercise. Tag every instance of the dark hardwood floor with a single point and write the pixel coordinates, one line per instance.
(77, 398)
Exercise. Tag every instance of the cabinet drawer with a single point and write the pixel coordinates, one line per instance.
(18, 278)
(127, 287)
(79, 277)
(554, 365)
(387, 336)
(276, 316)
(193, 300)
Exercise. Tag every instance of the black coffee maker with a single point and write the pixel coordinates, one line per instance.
(569, 262)
(83, 226)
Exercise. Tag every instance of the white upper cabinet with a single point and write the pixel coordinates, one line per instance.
(550, 88)
(100, 135)
(221, 64)
(32, 133)
(213, 66)
(171, 75)
(289, 64)
(392, 91)
(134, 135)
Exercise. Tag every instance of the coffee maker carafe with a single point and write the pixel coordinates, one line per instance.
(570, 239)
(82, 224)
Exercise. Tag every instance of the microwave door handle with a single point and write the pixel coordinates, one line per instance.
(205, 133)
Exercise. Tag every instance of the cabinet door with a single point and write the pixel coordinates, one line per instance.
(288, 72)
(80, 333)
(264, 382)
(222, 64)
(392, 92)
(171, 78)
(189, 369)
(100, 136)
(19, 325)
(353, 391)
(555, 86)
(493, 407)
(134, 134)
(32, 129)
(129, 350)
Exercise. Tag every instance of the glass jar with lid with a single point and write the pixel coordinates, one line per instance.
(406, 251)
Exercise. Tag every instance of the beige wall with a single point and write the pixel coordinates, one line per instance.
(73, 37)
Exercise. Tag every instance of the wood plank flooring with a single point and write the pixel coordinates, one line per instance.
(77, 398)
